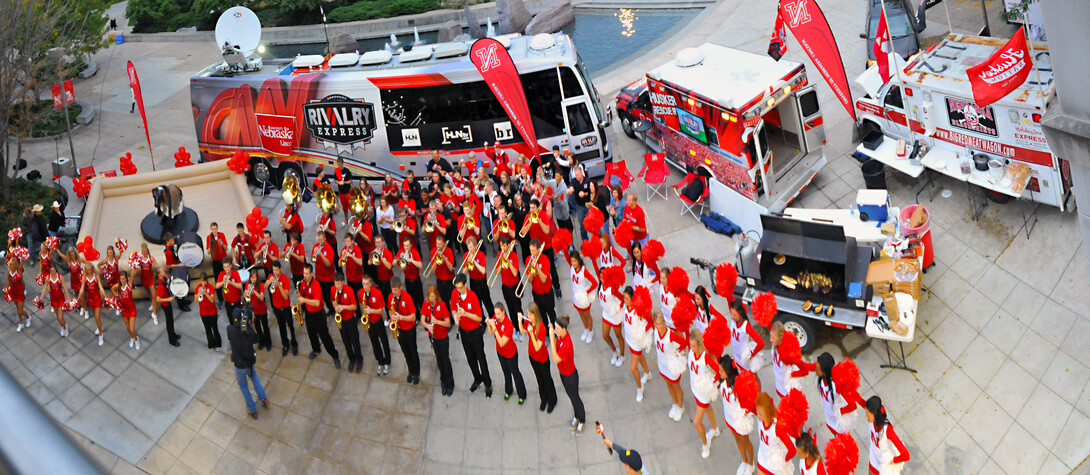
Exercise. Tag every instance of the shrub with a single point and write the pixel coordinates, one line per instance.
(11, 211)
(371, 9)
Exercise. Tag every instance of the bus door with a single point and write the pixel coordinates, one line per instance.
(580, 127)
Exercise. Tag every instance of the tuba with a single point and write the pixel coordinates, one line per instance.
(357, 202)
(327, 202)
(291, 188)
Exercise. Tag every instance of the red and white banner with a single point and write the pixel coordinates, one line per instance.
(277, 133)
(64, 90)
(69, 92)
(1002, 73)
(498, 71)
(58, 101)
(134, 83)
(807, 22)
(777, 44)
(882, 47)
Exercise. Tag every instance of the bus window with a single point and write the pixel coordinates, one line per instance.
(579, 117)
(572, 88)
(543, 98)
(712, 135)
(595, 100)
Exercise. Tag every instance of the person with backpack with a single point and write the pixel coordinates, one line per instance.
(242, 339)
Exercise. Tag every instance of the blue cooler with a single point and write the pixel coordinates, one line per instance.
(874, 204)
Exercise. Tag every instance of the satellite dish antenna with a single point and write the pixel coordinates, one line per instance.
(239, 28)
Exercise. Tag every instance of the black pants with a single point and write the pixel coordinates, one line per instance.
(545, 385)
(415, 288)
(212, 330)
(571, 386)
(379, 343)
(442, 358)
(384, 287)
(480, 287)
(547, 304)
(318, 332)
(217, 268)
(350, 336)
(230, 307)
(326, 296)
(510, 367)
(284, 321)
(445, 288)
(514, 304)
(406, 339)
(356, 286)
(168, 312)
(473, 344)
(261, 326)
(390, 237)
(552, 267)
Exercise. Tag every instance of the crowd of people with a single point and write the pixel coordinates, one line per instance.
(428, 253)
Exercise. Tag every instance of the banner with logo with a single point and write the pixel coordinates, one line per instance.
(63, 94)
(277, 133)
(58, 97)
(498, 71)
(1002, 73)
(134, 83)
(882, 47)
(807, 22)
(777, 44)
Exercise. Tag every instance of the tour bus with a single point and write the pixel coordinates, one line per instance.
(749, 121)
(385, 111)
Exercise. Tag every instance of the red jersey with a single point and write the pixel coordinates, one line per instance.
(216, 243)
(476, 273)
(564, 351)
(373, 300)
(471, 305)
(110, 272)
(311, 291)
(410, 271)
(540, 287)
(56, 291)
(330, 225)
(441, 223)
(474, 231)
(296, 265)
(128, 307)
(75, 275)
(295, 224)
(540, 355)
(352, 272)
(436, 313)
(442, 271)
(506, 329)
(163, 292)
(403, 304)
(259, 305)
(269, 251)
(244, 245)
(170, 258)
(276, 284)
(345, 297)
(410, 224)
(364, 237)
(498, 227)
(535, 229)
(636, 216)
(94, 298)
(46, 258)
(231, 293)
(390, 191)
(509, 268)
(409, 204)
(16, 286)
(323, 272)
(206, 306)
(146, 276)
(385, 274)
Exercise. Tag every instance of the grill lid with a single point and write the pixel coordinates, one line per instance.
(814, 241)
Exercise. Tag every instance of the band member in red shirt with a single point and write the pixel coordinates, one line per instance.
(58, 295)
(409, 230)
(469, 224)
(442, 258)
(296, 255)
(538, 350)
(217, 245)
(478, 275)
(436, 319)
(328, 223)
(243, 246)
(634, 213)
(344, 303)
(323, 257)
(267, 253)
(402, 313)
(438, 223)
(411, 270)
(230, 283)
(353, 259)
(384, 268)
(390, 188)
(362, 234)
(310, 295)
(343, 179)
(91, 290)
(465, 307)
(280, 291)
(206, 306)
(255, 296)
(174, 267)
(501, 327)
(290, 222)
(508, 260)
(564, 356)
(538, 266)
(370, 298)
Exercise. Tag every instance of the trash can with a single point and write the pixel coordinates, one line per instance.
(63, 166)
(874, 174)
(921, 233)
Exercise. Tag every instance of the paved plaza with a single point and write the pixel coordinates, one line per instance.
(1003, 371)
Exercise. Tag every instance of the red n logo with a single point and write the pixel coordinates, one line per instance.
(488, 58)
(796, 13)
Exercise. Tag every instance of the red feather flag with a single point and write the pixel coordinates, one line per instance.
(562, 240)
(678, 281)
(684, 313)
(623, 234)
(725, 278)
(613, 277)
(591, 248)
(642, 302)
(846, 377)
(841, 455)
(764, 308)
(746, 388)
(716, 336)
(652, 252)
(594, 220)
(792, 413)
(789, 347)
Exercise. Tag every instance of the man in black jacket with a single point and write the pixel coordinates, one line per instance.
(56, 219)
(36, 230)
(242, 338)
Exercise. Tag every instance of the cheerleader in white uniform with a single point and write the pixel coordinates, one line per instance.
(609, 256)
(887, 453)
(705, 312)
(673, 353)
(612, 318)
(667, 299)
(810, 462)
(642, 274)
(787, 364)
(840, 409)
(583, 286)
(703, 370)
(776, 449)
(745, 343)
(740, 421)
(638, 337)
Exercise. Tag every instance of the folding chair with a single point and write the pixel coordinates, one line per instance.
(654, 173)
(619, 171)
(694, 208)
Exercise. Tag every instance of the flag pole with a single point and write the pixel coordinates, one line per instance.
(897, 67)
(1037, 72)
(949, 25)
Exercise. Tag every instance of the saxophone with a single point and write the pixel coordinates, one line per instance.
(394, 330)
(297, 309)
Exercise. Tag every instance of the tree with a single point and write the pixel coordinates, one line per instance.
(37, 39)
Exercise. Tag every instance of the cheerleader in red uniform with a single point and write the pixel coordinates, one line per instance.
(787, 364)
(739, 391)
(642, 274)
(91, 289)
(745, 343)
(810, 462)
(46, 256)
(839, 389)
(703, 369)
(16, 290)
(637, 334)
(672, 355)
(58, 295)
(147, 263)
(583, 288)
(128, 310)
(887, 453)
(108, 266)
(776, 449)
(75, 277)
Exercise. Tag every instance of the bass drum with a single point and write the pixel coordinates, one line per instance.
(179, 288)
(190, 249)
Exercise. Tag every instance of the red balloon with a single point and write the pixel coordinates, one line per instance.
(264, 222)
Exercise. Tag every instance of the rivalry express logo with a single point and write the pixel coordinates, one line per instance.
(339, 121)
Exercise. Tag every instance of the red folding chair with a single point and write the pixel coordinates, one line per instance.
(694, 208)
(618, 170)
(654, 174)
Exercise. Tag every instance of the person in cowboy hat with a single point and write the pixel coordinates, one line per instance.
(36, 230)
(56, 219)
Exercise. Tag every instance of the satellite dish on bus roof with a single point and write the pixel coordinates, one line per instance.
(689, 57)
(239, 27)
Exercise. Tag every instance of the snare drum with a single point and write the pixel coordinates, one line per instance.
(190, 250)
(179, 287)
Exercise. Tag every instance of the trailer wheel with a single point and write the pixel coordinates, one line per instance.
(802, 329)
(626, 126)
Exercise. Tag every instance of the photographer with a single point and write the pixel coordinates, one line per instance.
(241, 338)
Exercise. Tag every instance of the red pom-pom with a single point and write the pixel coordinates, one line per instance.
(562, 239)
(652, 252)
(764, 308)
(678, 281)
(613, 277)
(846, 377)
(594, 220)
(792, 413)
(684, 313)
(725, 278)
(716, 336)
(40, 278)
(841, 455)
(746, 388)
(623, 234)
(591, 248)
(642, 302)
(789, 347)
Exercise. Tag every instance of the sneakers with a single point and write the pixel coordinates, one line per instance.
(711, 434)
(639, 394)
(385, 370)
(378, 371)
(265, 402)
(137, 344)
(131, 342)
(620, 360)
(590, 336)
(19, 329)
(583, 336)
(645, 378)
(97, 333)
(151, 308)
(573, 423)
(750, 468)
(673, 411)
(64, 332)
(117, 312)
(706, 450)
(679, 414)
(28, 320)
(85, 313)
(154, 319)
(100, 340)
(579, 429)
(613, 359)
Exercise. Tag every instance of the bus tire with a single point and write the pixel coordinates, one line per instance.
(626, 125)
(289, 167)
(802, 328)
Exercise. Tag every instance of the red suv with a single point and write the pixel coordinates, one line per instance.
(633, 103)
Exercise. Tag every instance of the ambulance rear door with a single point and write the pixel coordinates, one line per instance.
(806, 101)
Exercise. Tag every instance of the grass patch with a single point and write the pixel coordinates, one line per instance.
(51, 121)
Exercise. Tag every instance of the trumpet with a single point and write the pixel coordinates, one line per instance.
(375, 258)
(469, 223)
(337, 318)
(344, 259)
(531, 270)
(399, 226)
(470, 258)
(534, 219)
(249, 291)
(403, 260)
(297, 309)
(435, 260)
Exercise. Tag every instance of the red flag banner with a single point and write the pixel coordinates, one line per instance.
(134, 83)
(882, 47)
(69, 92)
(777, 44)
(498, 71)
(1002, 73)
(807, 22)
(58, 98)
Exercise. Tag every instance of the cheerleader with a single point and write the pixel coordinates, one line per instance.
(705, 312)
(58, 296)
(739, 419)
(839, 405)
(613, 312)
(776, 448)
(641, 273)
(787, 364)
(16, 290)
(636, 331)
(667, 299)
(75, 277)
(884, 441)
(609, 256)
(147, 277)
(703, 370)
(128, 309)
(672, 352)
(46, 257)
(810, 462)
(91, 289)
(745, 343)
(108, 267)
(538, 350)
(583, 286)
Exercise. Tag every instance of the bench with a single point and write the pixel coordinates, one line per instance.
(87, 114)
(92, 68)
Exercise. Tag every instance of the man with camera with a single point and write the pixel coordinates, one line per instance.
(241, 337)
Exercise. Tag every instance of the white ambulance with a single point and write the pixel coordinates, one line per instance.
(1000, 147)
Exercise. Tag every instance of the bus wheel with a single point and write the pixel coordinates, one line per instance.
(626, 126)
(289, 168)
(802, 328)
(260, 171)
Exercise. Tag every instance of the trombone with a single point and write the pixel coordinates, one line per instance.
(503, 227)
(501, 263)
(534, 219)
(531, 271)
(435, 260)
(470, 258)
(469, 222)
